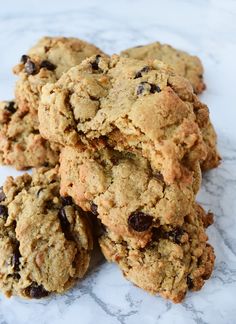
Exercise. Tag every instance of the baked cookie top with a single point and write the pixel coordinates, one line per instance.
(184, 64)
(177, 260)
(46, 62)
(143, 108)
(45, 240)
(21, 144)
(124, 192)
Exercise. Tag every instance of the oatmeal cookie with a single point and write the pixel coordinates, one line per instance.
(147, 109)
(122, 189)
(209, 136)
(178, 259)
(21, 144)
(46, 62)
(184, 64)
(45, 239)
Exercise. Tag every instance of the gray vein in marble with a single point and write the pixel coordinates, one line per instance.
(197, 314)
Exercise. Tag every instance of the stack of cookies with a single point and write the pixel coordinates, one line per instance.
(122, 137)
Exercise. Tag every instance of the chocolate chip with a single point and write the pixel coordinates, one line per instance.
(65, 225)
(24, 58)
(2, 194)
(158, 176)
(115, 160)
(190, 283)
(157, 234)
(140, 72)
(176, 235)
(63, 219)
(36, 291)
(140, 221)
(154, 88)
(66, 201)
(3, 212)
(95, 63)
(94, 209)
(35, 131)
(10, 107)
(16, 259)
(48, 65)
(93, 98)
(30, 67)
(141, 88)
(16, 276)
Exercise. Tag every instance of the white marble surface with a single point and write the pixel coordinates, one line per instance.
(205, 28)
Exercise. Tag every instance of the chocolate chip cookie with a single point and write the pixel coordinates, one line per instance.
(46, 62)
(21, 144)
(45, 239)
(122, 189)
(177, 260)
(184, 64)
(146, 109)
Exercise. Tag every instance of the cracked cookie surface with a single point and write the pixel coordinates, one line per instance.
(45, 62)
(147, 109)
(45, 240)
(124, 192)
(177, 260)
(184, 64)
(21, 144)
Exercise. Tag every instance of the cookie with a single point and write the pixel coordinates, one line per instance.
(177, 260)
(213, 157)
(122, 189)
(46, 62)
(146, 109)
(21, 144)
(184, 64)
(45, 239)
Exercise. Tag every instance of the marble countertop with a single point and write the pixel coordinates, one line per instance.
(205, 28)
